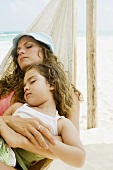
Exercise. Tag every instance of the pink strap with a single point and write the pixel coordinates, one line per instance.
(5, 103)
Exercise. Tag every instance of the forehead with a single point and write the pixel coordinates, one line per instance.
(32, 73)
(25, 39)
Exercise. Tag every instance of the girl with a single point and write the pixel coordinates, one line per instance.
(50, 82)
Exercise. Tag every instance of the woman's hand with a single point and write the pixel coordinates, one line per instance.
(30, 128)
(12, 138)
(16, 140)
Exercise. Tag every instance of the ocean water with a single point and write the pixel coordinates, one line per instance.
(8, 36)
(104, 73)
(6, 42)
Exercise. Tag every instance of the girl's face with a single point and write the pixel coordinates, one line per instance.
(29, 52)
(37, 90)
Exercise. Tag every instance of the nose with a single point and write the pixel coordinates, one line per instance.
(26, 88)
(21, 51)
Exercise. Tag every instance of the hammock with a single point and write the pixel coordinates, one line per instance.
(57, 20)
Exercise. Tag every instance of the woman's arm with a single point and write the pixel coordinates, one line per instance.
(37, 139)
(75, 112)
(16, 140)
(28, 127)
(71, 151)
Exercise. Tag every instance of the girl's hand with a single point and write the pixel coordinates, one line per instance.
(32, 128)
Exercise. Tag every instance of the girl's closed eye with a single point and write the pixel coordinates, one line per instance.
(32, 81)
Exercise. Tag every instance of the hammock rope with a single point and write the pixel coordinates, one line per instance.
(57, 20)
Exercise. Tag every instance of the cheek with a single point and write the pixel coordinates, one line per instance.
(40, 52)
(18, 62)
(36, 54)
(24, 97)
(37, 59)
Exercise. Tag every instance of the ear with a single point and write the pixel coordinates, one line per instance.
(40, 53)
(50, 86)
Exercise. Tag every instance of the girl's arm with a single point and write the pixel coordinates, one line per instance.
(12, 109)
(71, 151)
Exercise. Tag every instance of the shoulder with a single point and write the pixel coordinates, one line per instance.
(12, 109)
(15, 106)
(64, 123)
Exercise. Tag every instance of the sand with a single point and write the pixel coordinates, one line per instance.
(98, 142)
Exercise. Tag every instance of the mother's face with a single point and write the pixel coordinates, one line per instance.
(29, 52)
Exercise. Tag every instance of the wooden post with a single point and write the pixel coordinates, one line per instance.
(75, 39)
(91, 63)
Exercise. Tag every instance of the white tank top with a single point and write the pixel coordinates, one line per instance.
(26, 112)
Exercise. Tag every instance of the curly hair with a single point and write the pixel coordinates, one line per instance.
(13, 81)
(57, 77)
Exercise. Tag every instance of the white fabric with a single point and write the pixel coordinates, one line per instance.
(39, 36)
(58, 20)
(26, 112)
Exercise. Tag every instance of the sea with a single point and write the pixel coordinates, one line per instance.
(6, 42)
(104, 73)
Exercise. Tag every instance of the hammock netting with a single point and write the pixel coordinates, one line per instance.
(57, 20)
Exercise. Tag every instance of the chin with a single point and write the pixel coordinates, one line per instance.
(24, 68)
(32, 103)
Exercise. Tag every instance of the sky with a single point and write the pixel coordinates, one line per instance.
(17, 15)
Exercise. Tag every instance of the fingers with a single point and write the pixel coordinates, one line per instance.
(31, 137)
(47, 134)
(46, 131)
(8, 134)
(40, 139)
(35, 130)
(37, 136)
(43, 125)
(39, 127)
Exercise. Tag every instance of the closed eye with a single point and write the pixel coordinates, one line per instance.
(29, 46)
(33, 81)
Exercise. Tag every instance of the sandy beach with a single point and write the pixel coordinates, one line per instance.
(98, 141)
(17, 15)
(99, 151)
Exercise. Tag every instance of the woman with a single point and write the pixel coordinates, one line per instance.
(28, 49)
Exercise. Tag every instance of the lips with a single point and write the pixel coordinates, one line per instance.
(22, 58)
(27, 94)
